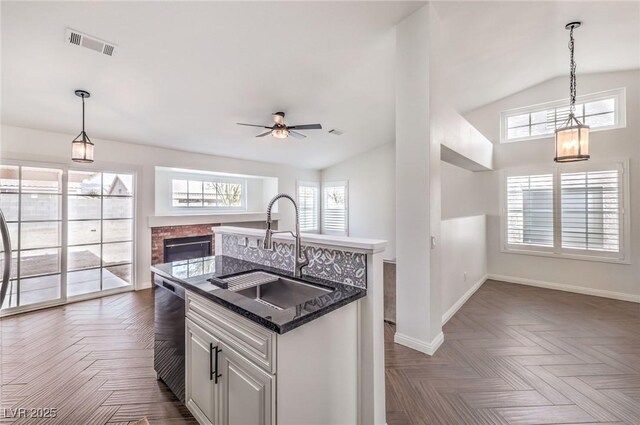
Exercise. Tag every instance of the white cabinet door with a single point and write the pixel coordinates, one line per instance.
(200, 386)
(247, 393)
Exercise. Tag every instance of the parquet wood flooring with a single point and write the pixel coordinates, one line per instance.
(92, 361)
(518, 355)
(512, 355)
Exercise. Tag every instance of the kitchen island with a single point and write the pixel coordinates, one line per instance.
(264, 347)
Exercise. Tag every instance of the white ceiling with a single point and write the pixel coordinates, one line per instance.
(495, 49)
(185, 72)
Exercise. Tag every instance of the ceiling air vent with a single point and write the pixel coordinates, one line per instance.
(90, 42)
(336, 132)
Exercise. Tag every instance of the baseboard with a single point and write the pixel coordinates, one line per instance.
(428, 348)
(463, 299)
(568, 288)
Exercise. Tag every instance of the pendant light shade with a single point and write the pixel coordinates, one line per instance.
(82, 148)
(572, 137)
(572, 141)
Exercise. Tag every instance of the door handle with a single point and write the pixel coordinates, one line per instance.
(212, 372)
(217, 375)
(213, 364)
(6, 243)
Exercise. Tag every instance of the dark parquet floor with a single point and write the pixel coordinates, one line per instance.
(518, 355)
(512, 355)
(91, 360)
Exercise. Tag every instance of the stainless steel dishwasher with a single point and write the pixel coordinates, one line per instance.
(168, 354)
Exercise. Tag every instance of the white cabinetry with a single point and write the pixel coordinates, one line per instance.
(315, 367)
(200, 388)
(246, 391)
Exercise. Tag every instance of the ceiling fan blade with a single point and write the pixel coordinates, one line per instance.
(266, 133)
(253, 125)
(306, 127)
(296, 134)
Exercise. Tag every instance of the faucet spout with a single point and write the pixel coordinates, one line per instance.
(301, 259)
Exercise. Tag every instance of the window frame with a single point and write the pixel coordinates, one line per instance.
(318, 209)
(102, 243)
(345, 184)
(208, 178)
(620, 112)
(102, 168)
(623, 256)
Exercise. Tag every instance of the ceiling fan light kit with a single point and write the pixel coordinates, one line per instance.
(280, 133)
(572, 137)
(280, 130)
(82, 148)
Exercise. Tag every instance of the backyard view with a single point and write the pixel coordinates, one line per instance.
(98, 246)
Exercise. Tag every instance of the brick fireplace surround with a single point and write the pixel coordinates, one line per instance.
(159, 234)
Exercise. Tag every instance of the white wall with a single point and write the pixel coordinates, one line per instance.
(464, 260)
(42, 146)
(463, 234)
(462, 191)
(472, 149)
(372, 194)
(588, 276)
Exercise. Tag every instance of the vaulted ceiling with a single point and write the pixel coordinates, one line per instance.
(185, 72)
(495, 49)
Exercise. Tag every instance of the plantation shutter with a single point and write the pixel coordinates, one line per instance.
(530, 210)
(591, 210)
(335, 208)
(309, 206)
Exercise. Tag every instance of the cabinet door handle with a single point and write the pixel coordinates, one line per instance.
(216, 375)
(212, 372)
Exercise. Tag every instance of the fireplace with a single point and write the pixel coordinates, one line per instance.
(186, 248)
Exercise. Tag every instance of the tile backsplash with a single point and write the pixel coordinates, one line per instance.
(332, 264)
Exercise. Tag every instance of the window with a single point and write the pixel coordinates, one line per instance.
(530, 210)
(100, 231)
(335, 211)
(31, 199)
(215, 194)
(184, 192)
(601, 111)
(575, 210)
(72, 233)
(309, 206)
(591, 210)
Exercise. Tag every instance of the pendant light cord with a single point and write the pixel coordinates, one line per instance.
(572, 79)
(83, 114)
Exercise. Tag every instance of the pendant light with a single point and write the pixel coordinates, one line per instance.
(572, 137)
(82, 147)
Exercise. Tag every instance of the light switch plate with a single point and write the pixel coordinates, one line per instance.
(242, 241)
(253, 242)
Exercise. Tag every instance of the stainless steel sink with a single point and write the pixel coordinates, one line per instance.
(275, 291)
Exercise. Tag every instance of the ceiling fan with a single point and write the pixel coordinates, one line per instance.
(281, 130)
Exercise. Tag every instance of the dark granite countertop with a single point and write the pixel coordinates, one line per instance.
(203, 276)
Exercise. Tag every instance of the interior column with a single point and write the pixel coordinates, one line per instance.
(418, 310)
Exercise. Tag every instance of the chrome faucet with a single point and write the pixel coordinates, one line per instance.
(301, 258)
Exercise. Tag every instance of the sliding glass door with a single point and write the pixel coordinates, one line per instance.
(100, 236)
(31, 199)
(72, 234)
